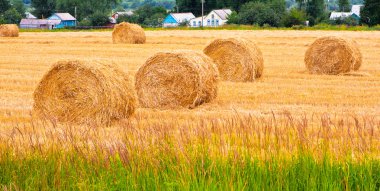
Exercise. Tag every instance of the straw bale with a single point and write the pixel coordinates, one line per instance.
(237, 59)
(9, 30)
(333, 55)
(84, 92)
(177, 79)
(128, 33)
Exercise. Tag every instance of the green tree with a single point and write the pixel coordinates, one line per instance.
(233, 18)
(19, 6)
(148, 15)
(155, 20)
(86, 8)
(315, 11)
(43, 8)
(261, 13)
(371, 12)
(4, 5)
(344, 5)
(128, 18)
(99, 19)
(294, 17)
(12, 16)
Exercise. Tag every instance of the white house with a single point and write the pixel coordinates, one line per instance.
(175, 19)
(356, 9)
(214, 19)
(355, 13)
(197, 22)
(29, 15)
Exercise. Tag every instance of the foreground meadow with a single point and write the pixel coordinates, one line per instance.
(289, 130)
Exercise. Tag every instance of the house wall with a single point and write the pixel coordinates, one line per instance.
(34, 26)
(198, 22)
(213, 20)
(209, 21)
(63, 24)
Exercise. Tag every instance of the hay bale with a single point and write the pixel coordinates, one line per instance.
(128, 33)
(84, 92)
(333, 55)
(177, 79)
(9, 30)
(237, 59)
(357, 53)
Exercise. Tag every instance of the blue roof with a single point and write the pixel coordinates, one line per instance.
(170, 19)
(62, 16)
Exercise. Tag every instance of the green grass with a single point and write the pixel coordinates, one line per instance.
(62, 171)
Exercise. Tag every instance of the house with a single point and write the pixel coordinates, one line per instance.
(197, 22)
(124, 13)
(115, 16)
(354, 13)
(214, 19)
(66, 19)
(29, 15)
(175, 19)
(356, 9)
(39, 23)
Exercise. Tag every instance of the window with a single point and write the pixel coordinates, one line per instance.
(212, 16)
(208, 22)
(199, 23)
(213, 22)
(217, 22)
(194, 23)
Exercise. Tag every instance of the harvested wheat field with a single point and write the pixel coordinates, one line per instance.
(287, 112)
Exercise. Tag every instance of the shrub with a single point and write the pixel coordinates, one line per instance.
(345, 21)
(259, 13)
(294, 17)
(11, 16)
(99, 19)
(233, 18)
(85, 22)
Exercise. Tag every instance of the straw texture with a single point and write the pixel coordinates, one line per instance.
(177, 79)
(237, 59)
(85, 92)
(128, 33)
(9, 30)
(333, 55)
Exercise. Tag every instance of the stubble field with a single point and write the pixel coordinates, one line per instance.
(287, 117)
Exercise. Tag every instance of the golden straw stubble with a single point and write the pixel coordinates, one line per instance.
(237, 59)
(333, 55)
(128, 33)
(9, 30)
(177, 79)
(84, 92)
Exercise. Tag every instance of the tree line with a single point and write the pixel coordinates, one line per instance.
(11, 11)
(275, 13)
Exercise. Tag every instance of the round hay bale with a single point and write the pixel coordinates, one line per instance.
(358, 55)
(84, 92)
(177, 79)
(333, 55)
(128, 33)
(237, 59)
(9, 30)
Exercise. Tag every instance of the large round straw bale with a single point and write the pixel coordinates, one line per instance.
(237, 59)
(9, 30)
(85, 92)
(177, 79)
(333, 55)
(128, 33)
